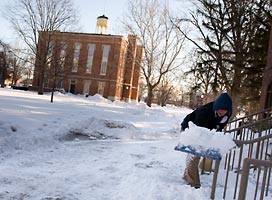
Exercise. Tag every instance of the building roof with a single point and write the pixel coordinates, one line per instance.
(102, 16)
(80, 33)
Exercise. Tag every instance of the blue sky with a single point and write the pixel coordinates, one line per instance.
(91, 9)
(88, 11)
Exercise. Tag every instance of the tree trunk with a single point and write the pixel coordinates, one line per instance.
(236, 100)
(40, 89)
(149, 96)
(41, 75)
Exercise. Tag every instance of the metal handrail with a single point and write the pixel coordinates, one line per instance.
(244, 180)
(259, 139)
(253, 139)
(248, 125)
(238, 122)
(257, 114)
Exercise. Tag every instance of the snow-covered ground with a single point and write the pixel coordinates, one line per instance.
(80, 148)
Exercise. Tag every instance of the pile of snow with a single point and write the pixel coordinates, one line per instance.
(98, 98)
(203, 139)
(105, 129)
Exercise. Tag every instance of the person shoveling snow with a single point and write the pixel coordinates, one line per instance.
(212, 116)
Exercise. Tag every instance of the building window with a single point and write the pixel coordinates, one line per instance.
(104, 62)
(59, 84)
(76, 57)
(46, 83)
(49, 57)
(72, 88)
(91, 48)
(86, 89)
(101, 87)
(62, 57)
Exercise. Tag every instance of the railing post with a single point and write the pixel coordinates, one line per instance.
(244, 180)
(216, 169)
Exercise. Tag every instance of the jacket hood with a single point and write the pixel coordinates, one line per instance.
(224, 102)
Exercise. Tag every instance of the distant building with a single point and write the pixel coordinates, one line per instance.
(98, 63)
(266, 90)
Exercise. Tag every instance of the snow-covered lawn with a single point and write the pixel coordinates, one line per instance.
(80, 148)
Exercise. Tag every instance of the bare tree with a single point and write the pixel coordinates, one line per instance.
(15, 70)
(58, 55)
(17, 64)
(27, 70)
(4, 58)
(164, 90)
(31, 17)
(162, 42)
(203, 74)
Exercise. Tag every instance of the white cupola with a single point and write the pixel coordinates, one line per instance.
(102, 25)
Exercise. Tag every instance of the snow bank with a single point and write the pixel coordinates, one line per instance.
(96, 128)
(99, 98)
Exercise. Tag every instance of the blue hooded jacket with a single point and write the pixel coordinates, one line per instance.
(223, 102)
(206, 116)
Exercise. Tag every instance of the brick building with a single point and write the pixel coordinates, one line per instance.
(83, 63)
(266, 91)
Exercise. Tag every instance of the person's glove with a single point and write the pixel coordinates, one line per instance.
(183, 125)
(218, 129)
